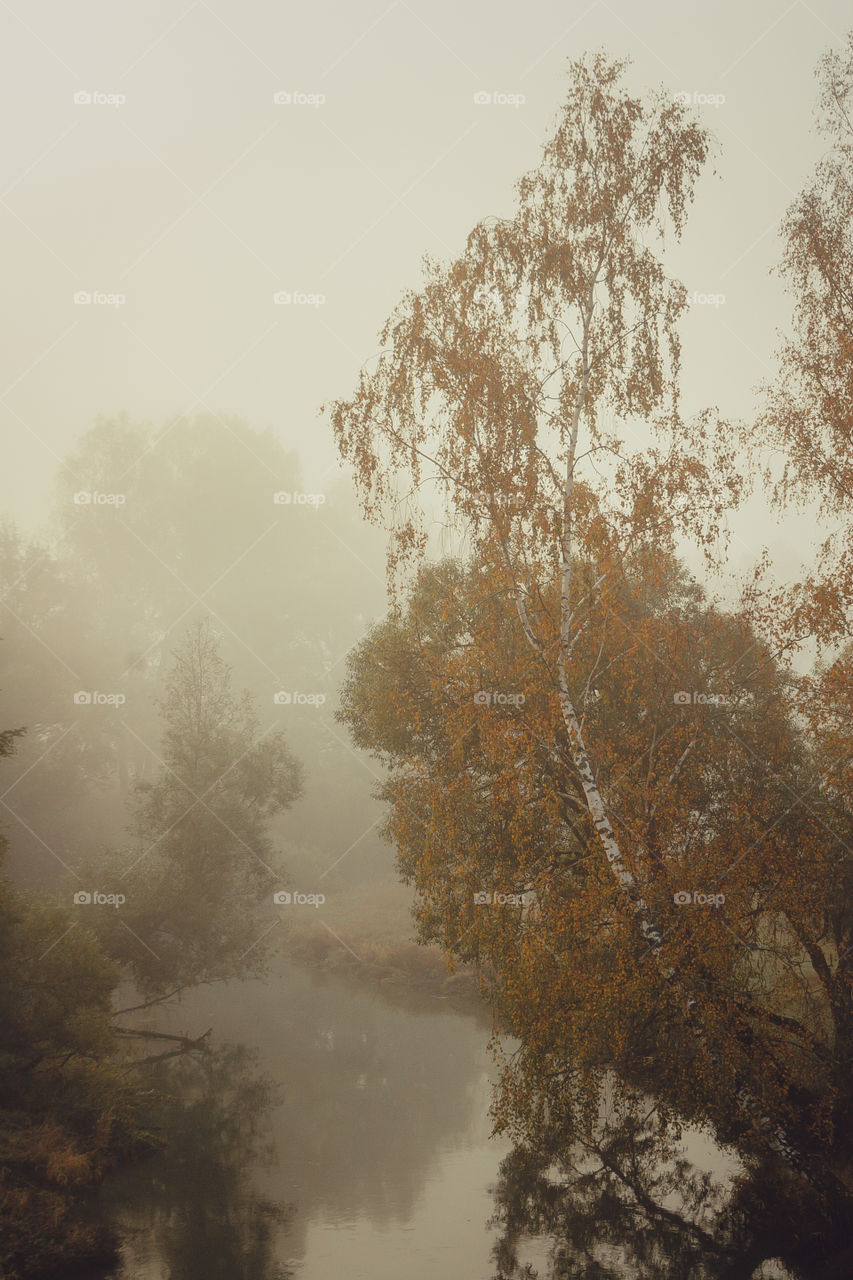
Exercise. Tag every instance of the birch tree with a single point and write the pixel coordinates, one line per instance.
(534, 381)
(502, 378)
(745, 859)
(808, 411)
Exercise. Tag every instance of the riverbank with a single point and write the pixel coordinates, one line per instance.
(366, 936)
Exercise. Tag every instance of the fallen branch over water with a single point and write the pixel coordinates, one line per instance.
(187, 1041)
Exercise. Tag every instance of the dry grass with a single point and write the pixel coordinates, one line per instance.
(367, 932)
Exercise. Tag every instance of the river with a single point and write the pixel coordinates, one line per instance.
(377, 1147)
(369, 1157)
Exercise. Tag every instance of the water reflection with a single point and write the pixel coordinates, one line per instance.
(632, 1203)
(192, 1209)
(372, 1151)
(370, 1157)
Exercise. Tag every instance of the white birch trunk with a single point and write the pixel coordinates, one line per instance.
(622, 874)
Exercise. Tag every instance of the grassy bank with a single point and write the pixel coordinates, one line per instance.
(366, 934)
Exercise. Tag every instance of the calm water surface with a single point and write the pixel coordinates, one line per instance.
(377, 1147)
(371, 1161)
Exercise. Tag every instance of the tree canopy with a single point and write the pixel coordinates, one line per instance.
(565, 716)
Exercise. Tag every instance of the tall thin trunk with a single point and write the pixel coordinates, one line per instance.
(598, 812)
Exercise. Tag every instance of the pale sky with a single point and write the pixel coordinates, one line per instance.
(186, 189)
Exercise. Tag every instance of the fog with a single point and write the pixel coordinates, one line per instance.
(197, 198)
(209, 211)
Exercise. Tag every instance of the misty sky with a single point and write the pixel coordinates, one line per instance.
(197, 197)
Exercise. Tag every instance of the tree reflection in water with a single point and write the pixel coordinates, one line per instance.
(629, 1205)
(192, 1205)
